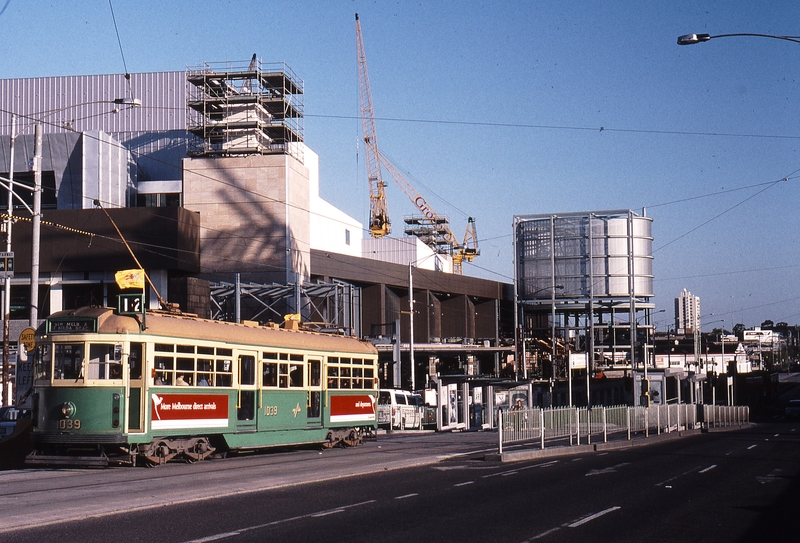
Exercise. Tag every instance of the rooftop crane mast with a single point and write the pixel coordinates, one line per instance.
(432, 228)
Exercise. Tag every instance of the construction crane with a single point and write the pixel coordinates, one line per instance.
(433, 229)
(379, 224)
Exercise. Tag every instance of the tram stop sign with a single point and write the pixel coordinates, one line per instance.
(27, 338)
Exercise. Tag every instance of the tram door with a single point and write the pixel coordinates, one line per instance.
(314, 387)
(246, 402)
(135, 403)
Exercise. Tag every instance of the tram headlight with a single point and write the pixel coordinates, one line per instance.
(68, 410)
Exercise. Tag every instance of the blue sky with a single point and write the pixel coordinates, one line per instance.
(493, 109)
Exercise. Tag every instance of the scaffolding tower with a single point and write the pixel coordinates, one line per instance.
(244, 107)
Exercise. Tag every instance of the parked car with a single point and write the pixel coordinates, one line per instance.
(793, 409)
(8, 419)
(398, 409)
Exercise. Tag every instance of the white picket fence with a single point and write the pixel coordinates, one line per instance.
(581, 424)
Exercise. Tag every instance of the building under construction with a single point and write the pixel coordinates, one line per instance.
(583, 288)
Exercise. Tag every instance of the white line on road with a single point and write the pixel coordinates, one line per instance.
(464, 484)
(515, 470)
(216, 537)
(752, 447)
(592, 517)
(681, 475)
(709, 468)
(406, 496)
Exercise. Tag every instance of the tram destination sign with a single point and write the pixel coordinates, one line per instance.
(71, 325)
(130, 304)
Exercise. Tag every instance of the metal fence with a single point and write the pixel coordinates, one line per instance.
(581, 424)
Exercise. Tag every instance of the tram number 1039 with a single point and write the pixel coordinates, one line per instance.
(270, 410)
(69, 424)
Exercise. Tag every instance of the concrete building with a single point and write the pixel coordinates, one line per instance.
(687, 313)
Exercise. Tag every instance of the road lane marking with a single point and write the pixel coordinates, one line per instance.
(406, 496)
(611, 469)
(544, 534)
(574, 523)
(515, 470)
(709, 468)
(752, 447)
(215, 537)
(592, 517)
(223, 535)
(464, 484)
(679, 475)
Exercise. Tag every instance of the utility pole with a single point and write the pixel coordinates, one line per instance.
(7, 290)
(36, 225)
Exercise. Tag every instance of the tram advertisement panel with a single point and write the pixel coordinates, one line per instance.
(189, 411)
(350, 408)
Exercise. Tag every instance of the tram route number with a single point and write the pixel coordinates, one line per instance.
(270, 410)
(69, 424)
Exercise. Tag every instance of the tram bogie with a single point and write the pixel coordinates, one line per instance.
(155, 388)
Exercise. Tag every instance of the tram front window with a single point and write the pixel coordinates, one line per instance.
(68, 361)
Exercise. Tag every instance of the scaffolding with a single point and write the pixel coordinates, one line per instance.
(244, 107)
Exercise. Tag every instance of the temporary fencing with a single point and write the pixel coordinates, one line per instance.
(581, 424)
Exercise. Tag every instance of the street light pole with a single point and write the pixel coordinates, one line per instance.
(691, 39)
(36, 224)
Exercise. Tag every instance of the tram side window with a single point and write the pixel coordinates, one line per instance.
(333, 377)
(185, 369)
(270, 374)
(165, 370)
(135, 360)
(68, 361)
(224, 373)
(205, 376)
(103, 363)
(296, 368)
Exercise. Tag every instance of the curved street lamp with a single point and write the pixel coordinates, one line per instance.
(691, 39)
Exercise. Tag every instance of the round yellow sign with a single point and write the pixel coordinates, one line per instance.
(26, 337)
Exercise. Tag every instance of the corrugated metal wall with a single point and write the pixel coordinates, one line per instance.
(85, 103)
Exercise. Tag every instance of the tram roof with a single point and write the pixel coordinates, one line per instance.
(188, 327)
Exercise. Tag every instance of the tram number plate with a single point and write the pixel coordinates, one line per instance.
(69, 424)
(270, 410)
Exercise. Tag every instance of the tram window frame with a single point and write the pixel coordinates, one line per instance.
(135, 358)
(164, 367)
(76, 372)
(43, 362)
(102, 364)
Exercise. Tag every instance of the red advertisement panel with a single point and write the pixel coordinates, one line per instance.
(189, 411)
(352, 408)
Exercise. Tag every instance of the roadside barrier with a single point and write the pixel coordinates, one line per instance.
(584, 424)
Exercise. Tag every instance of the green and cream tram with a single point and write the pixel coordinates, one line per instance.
(150, 388)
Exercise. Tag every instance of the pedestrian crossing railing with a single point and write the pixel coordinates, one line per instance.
(583, 425)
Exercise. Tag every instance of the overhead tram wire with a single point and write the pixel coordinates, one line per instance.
(121, 52)
(564, 127)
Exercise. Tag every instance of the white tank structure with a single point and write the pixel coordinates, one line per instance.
(569, 266)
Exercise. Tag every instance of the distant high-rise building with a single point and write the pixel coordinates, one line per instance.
(687, 313)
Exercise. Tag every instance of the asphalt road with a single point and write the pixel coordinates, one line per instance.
(722, 486)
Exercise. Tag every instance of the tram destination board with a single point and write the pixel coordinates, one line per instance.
(130, 304)
(74, 324)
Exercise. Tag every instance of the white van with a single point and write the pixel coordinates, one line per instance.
(398, 409)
